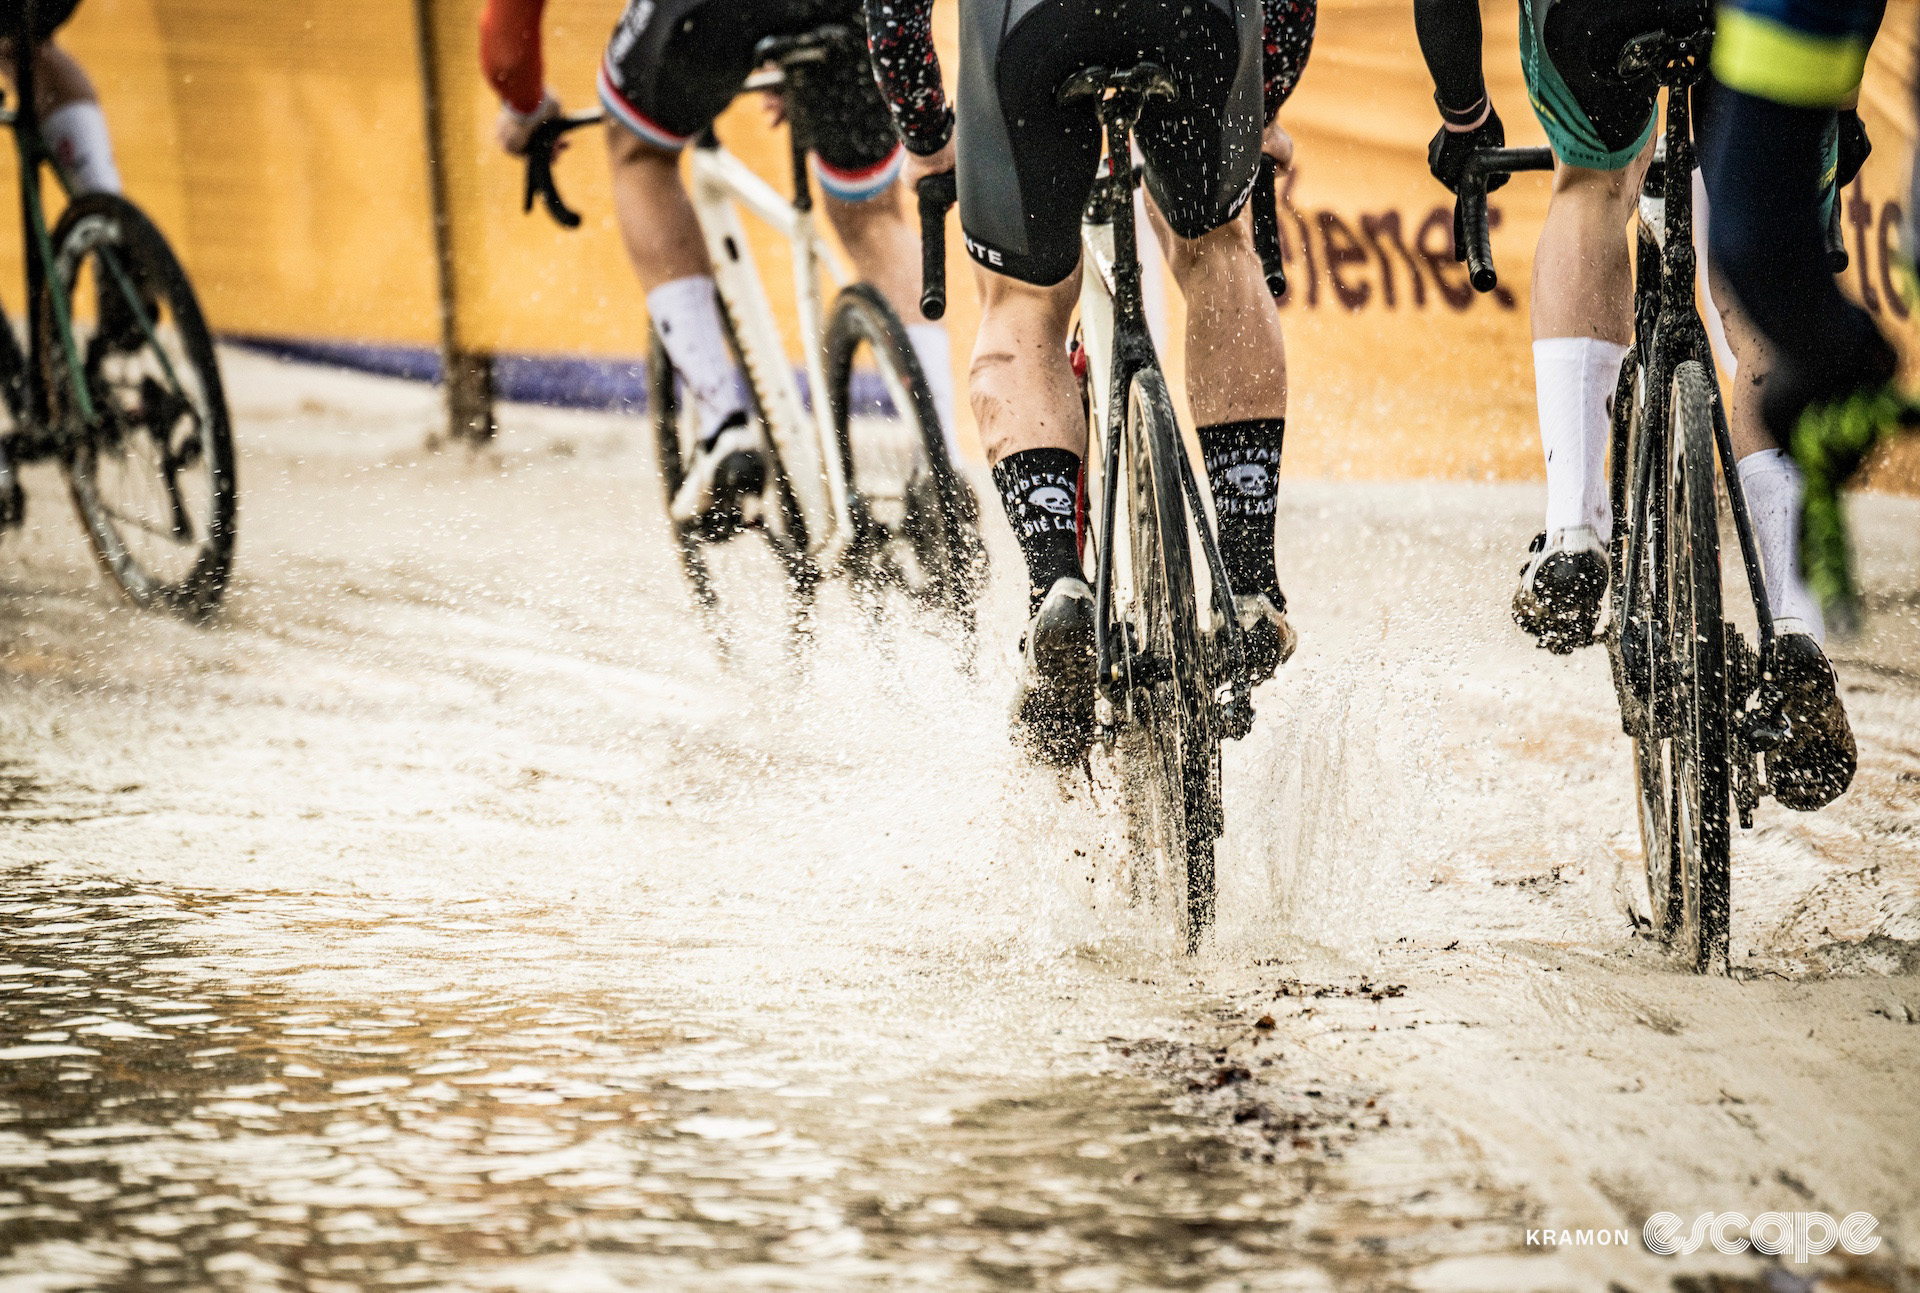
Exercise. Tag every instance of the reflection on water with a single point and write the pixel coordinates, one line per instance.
(182, 1108)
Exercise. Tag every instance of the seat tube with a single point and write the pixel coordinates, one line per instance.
(1128, 308)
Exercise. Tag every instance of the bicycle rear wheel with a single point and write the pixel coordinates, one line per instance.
(152, 472)
(917, 521)
(695, 542)
(1698, 752)
(1168, 749)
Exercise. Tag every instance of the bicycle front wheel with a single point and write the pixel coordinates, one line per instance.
(150, 462)
(1698, 752)
(918, 524)
(1168, 749)
(697, 542)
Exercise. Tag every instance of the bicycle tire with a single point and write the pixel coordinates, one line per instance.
(1169, 750)
(1699, 752)
(786, 535)
(159, 376)
(917, 521)
(1640, 713)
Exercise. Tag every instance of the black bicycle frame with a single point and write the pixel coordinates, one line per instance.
(1111, 202)
(1677, 336)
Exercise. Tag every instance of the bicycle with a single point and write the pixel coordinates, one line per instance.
(1696, 699)
(1168, 693)
(861, 486)
(132, 407)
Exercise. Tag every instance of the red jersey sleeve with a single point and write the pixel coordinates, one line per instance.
(510, 51)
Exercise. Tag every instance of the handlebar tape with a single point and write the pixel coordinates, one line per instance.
(1836, 239)
(936, 193)
(1471, 238)
(1266, 228)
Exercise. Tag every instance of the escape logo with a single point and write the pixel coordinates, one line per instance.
(1798, 1235)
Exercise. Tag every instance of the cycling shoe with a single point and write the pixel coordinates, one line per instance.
(1053, 708)
(726, 477)
(1561, 588)
(1815, 764)
(1266, 639)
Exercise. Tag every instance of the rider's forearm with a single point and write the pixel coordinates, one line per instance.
(510, 52)
(900, 35)
(1289, 30)
(1449, 33)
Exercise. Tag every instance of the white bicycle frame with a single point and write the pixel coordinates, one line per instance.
(807, 444)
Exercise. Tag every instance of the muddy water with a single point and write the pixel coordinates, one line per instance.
(446, 917)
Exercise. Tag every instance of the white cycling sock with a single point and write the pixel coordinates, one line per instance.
(935, 353)
(687, 314)
(1771, 482)
(1573, 379)
(77, 134)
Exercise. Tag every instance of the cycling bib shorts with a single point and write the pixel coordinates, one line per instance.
(674, 65)
(1570, 52)
(1027, 162)
(48, 16)
(1801, 53)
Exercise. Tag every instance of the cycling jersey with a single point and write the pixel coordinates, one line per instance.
(672, 66)
(1802, 53)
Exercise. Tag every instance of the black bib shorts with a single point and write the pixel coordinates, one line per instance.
(1027, 164)
(674, 65)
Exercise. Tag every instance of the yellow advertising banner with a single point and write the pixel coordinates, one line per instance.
(284, 147)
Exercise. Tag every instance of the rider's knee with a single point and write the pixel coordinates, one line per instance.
(1210, 251)
(631, 154)
(1603, 190)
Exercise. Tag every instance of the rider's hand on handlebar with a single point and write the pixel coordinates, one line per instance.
(1276, 143)
(918, 167)
(1447, 154)
(513, 129)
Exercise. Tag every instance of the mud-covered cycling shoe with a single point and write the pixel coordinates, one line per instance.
(1561, 589)
(1053, 708)
(1266, 639)
(725, 480)
(1815, 764)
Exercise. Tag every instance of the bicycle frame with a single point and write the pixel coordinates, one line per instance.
(1116, 340)
(1674, 335)
(23, 121)
(721, 185)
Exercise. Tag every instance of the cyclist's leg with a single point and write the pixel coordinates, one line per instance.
(68, 104)
(857, 159)
(1201, 150)
(1025, 167)
(669, 70)
(1767, 152)
(1601, 131)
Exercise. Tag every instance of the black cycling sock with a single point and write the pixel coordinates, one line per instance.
(1041, 491)
(1243, 470)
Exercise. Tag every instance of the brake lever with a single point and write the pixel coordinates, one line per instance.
(540, 148)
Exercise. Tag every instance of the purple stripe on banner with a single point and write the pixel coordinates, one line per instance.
(556, 381)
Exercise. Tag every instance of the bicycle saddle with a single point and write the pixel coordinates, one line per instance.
(1129, 86)
(807, 46)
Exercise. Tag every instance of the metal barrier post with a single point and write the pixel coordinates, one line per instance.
(466, 375)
